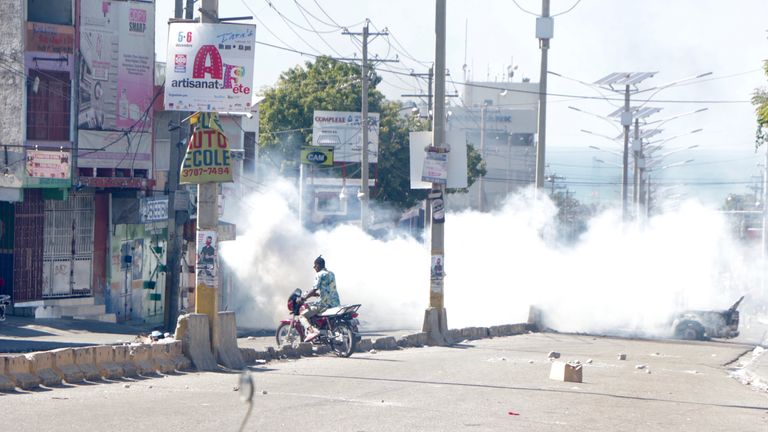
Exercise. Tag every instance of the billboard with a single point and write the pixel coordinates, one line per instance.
(117, 46)
(342, 130)
(317, 155)
(48, 164)
(210, 67)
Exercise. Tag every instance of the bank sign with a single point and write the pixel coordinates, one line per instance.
(317, 155)
(209, 67)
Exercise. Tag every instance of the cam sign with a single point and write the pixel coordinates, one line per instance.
(209, 67)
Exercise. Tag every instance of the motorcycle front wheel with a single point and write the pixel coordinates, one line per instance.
(287, 334)
(343, 340)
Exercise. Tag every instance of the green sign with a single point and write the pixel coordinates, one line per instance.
(317, 155)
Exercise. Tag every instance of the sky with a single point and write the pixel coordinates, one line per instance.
(592, 38)
(627, 276)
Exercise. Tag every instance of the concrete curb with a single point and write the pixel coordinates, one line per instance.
(194, 333)
(86, 361)
(42, 366)
(6, 383)
(19, 370)
(64, 365)
(176, 355)
(162, 360)
(122, 357)
(141, 356)
(104, 358)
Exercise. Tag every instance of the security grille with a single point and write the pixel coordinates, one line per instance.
(68, 246)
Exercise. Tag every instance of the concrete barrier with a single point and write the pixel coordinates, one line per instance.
(249, 355)
(19, 369)
(412, 340)
(161, 358)
(194, 333)
(176, 355)
(104, 359)
(42, 366)
(228, 354)
(141, 357)
(86, 361)
(364, 345)
(287, 351)
(122, 357)
(385, 343)
(6, 383)
(305, 349)
(64, 365)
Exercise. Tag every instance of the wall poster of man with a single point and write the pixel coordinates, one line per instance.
(437, 267)
(206, 257)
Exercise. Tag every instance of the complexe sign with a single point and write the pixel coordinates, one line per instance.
(210, 67)
(207, 159)
(342, 130)
(317, 155)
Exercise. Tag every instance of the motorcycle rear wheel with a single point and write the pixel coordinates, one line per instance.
(343, 340)
(286, 334)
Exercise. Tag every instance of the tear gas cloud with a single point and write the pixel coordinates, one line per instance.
(617, 278)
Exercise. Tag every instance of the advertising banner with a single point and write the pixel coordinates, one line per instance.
(48, 164)
(317, 155)
(342, 131)
(153, 209)
(50, 38)
(210, 67)
(435, 167)
(207, 159)
(98, 149)
(457, 159)
(117, 43)
(207, 254)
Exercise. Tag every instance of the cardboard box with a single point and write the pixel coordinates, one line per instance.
(568, 372)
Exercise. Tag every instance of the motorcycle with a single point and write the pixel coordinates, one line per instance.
(5, 301)
(337, 326)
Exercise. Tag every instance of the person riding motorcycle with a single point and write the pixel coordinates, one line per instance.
(324, 286)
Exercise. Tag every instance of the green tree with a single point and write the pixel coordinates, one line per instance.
(326, 84)
(760, 100)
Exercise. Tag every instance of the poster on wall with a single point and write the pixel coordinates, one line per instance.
(48, 164)
(342, 130)
(207, 254)
(210, 67)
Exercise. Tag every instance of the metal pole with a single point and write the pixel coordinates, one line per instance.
(636, 156)
(207, 297)
(626, 121)
(301, 194)
(480, 181)
(765, 207)
(541, 147)
(364, 149)
(435, 318)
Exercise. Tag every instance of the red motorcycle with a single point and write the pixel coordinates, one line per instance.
(337, 326)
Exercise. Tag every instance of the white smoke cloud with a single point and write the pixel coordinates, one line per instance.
(617, 278)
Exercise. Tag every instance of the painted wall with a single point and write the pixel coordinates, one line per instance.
(136, 287)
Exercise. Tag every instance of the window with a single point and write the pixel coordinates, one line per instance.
(48, 106)
(249, 157)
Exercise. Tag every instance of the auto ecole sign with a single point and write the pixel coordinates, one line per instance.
(317, 155)
(207, 159)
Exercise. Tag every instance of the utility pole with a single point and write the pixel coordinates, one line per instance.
(480, 180)
(175, 219)
(544, 32)
(435, 317)
(764, 237)
(636, 155)
(430, 75)
(626, 121)
(364, 189)
(207, 297)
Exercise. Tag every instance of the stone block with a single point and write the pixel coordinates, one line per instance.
(567, 372)
(86, 361)
(193, 331)
(249, 355)
(42, 366)
(287, 351)
(6, 383)
(64, 365)
(364, 345)
(265, 355)
(305, 349)
(321, 349)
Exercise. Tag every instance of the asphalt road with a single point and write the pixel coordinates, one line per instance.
(484, 385)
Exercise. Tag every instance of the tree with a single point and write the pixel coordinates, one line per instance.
(326, 84)
(760, 100)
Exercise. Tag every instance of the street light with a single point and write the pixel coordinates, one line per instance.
(608, 163)
(604, 150)
(612, 139)
(606, 119)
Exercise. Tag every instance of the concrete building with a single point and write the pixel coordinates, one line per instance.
(500, 120)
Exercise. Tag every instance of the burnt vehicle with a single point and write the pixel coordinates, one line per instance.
(703, 325)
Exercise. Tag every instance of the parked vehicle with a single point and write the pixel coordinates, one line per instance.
(5, 301)
(701, 325)
(338, 326)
